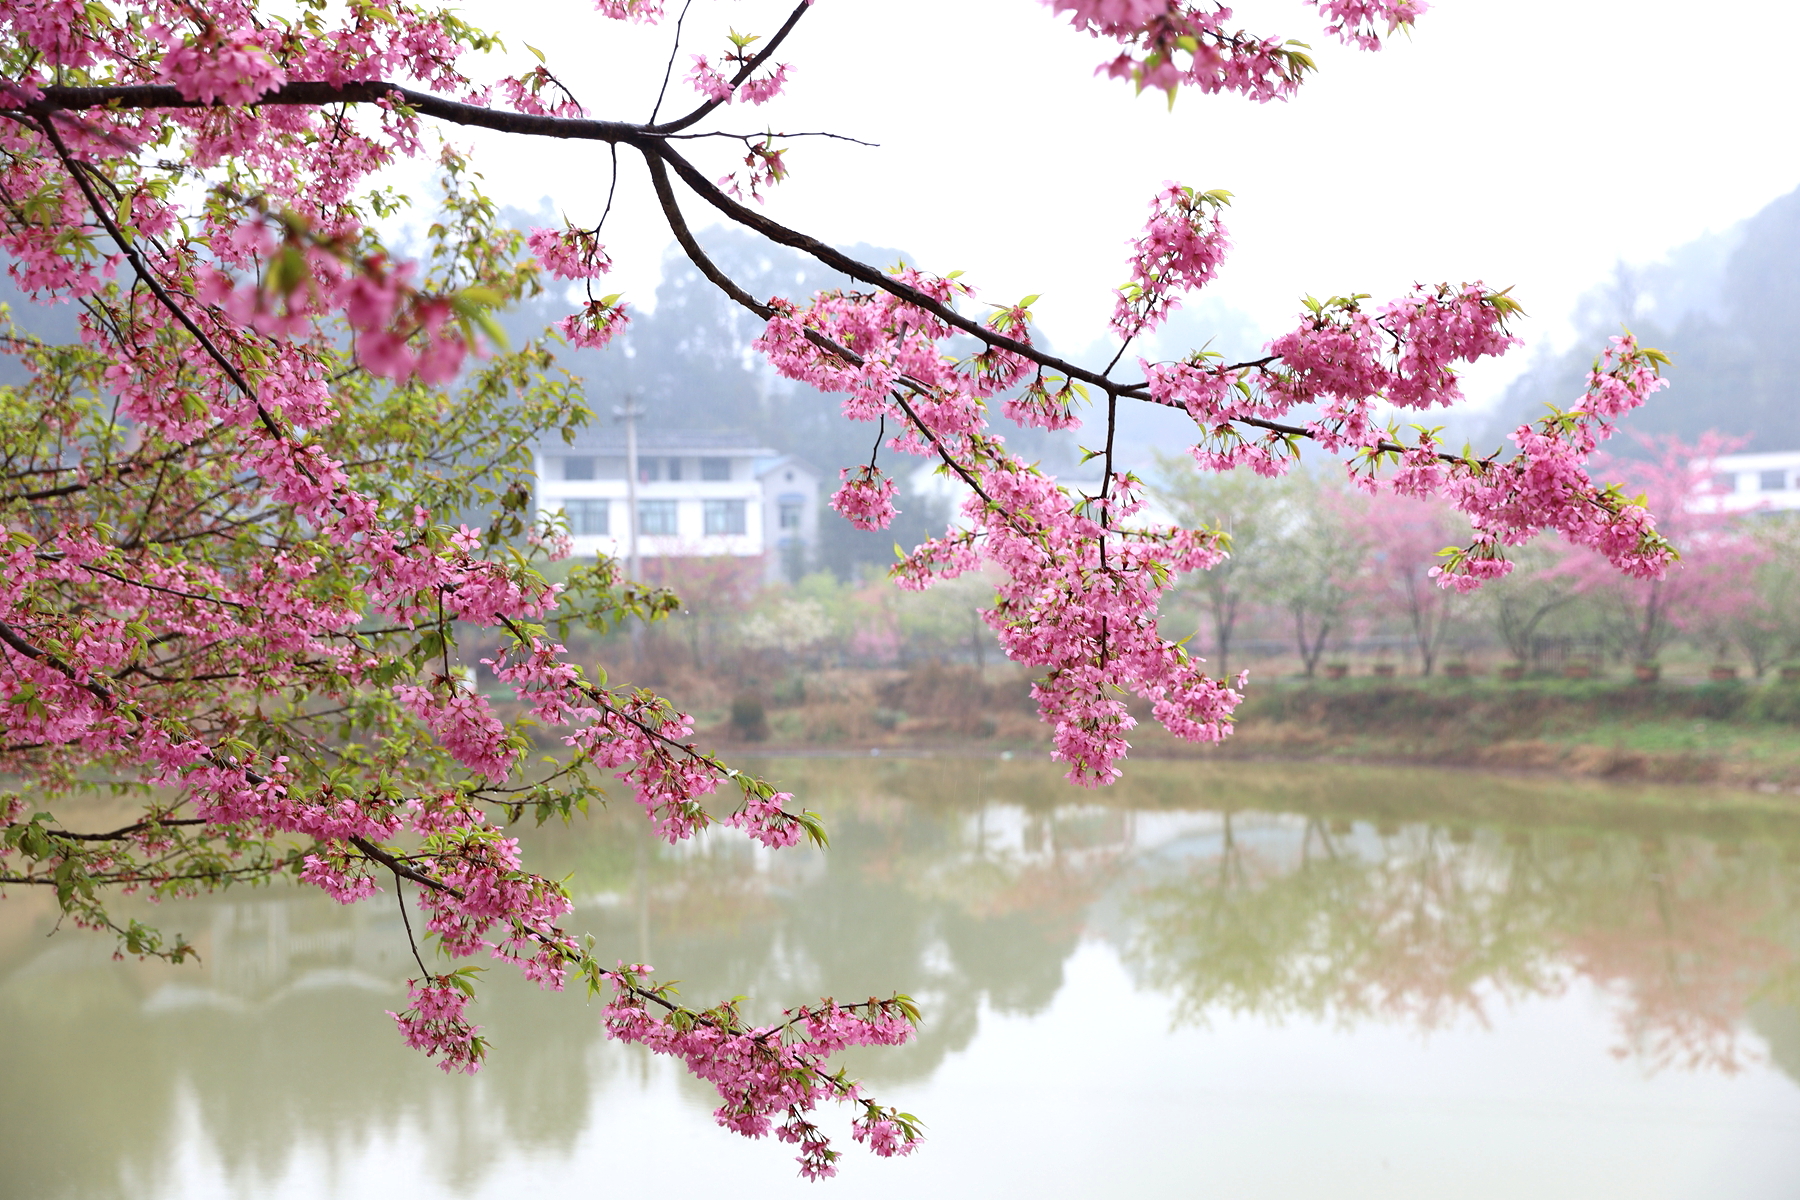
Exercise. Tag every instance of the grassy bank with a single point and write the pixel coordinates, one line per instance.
(1732, 733)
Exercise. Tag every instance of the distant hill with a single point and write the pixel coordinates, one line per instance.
(1725, 308)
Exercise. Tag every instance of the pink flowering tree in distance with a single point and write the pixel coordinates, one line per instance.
(249, 513)
(1711, 593)
(1399, 539)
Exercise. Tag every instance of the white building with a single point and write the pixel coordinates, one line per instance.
(1756, 482)
(698, 494)
(790, 513)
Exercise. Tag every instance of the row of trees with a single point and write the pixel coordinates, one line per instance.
(1320, 565)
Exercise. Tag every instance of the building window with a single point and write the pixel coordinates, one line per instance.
(1724, 483)
(715, 470)
(789, 515)
(649, 470)
(725, 517)
(588, 518)
(675, 468)
(581, 467)
(1772, 481)
(656, 518)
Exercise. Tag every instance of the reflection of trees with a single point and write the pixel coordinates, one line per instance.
(278, 1042)
(1691, 935)
(277, 1047)
(1425, 925)
(912, 898)
(1407, 934)
(964, 885)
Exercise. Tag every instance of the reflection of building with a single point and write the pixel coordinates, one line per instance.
(1749, 482)
(698, 494)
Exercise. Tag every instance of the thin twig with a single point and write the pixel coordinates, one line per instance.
(400, 895)
(674, 51)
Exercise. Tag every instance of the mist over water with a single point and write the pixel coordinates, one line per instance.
(1231, 980)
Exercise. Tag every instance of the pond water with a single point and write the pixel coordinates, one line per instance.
(1214, 980)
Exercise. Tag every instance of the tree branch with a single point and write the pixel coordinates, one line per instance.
(125, 832)
(651, 140)
(748, 70)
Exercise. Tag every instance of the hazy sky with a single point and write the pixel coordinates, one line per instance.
(1529, 143)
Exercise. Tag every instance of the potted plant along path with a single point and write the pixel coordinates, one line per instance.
(261, 516)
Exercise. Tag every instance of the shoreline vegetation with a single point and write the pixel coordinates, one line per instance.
(1733, 733)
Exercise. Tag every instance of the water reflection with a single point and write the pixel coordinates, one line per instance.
(1271, 893)
(1301, 916)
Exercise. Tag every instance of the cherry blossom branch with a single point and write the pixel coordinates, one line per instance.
(398, 867)
(127, 831)
(11, 637)
(748, 70)
(856, 269)
(59, 98)
(128, 248)
(650, 140)
(777, 133)
(839, 261)
(690, 245)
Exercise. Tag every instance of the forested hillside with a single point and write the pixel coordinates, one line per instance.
(1726, 309)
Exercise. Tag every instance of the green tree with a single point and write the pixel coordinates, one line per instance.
(1313, 563)
(1253, 513)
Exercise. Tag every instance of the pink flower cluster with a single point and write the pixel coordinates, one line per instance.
(1180, 250)
(709, 82)
(464, 724)
(1170, 44)
(647, 12)
(765, 166)
(867, 501)
(767, 820)
(1546, 485)
(220, 67)
(539, 93)
(1345, 360)
(1080, 585)
(435, 1023)
(570, 253)
(1361, 22)
(598, 323)
(339, 877)
(771, 1078)
(301, 278)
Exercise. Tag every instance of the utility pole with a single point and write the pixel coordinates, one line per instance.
(629, 412)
